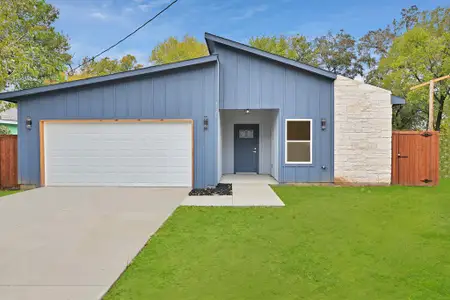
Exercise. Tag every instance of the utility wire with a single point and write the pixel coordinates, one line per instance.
(129, 35)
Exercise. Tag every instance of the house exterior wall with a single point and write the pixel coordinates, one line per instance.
(261, 117)
(363, 132)
(187, 93)
(251, 82)
(275, 146)
(219, 147)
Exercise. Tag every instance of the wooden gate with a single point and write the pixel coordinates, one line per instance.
(8, 161)
(415, 158)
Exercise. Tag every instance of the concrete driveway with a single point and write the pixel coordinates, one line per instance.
(73, 243)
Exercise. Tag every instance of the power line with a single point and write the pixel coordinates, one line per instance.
(129, 35)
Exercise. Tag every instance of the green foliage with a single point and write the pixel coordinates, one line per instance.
(4, 130)
(334, 52)
(173, 50)
(406, 53)
(105, 66)
(409, 51)
(6, 105)
(444, 162)
(31, 50)
(294, 47)
(277, 45)
(375, 44)
(338, 53)
(421, 54)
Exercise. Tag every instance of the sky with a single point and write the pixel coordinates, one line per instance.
(93, 25)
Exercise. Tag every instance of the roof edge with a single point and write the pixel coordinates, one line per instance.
(11, 96)
(211, 39)
(397, 100)
(8, 122)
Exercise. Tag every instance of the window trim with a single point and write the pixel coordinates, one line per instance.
(310, 141)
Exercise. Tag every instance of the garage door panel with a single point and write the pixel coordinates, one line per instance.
(118, 154)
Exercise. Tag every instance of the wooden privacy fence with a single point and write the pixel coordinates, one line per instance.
(415, 158)
(8, 161)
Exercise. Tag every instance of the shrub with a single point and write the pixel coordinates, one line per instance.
(4, 130)
(444, 162)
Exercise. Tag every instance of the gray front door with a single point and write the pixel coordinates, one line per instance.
(246, 148)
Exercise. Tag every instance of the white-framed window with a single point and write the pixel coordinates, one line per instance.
(298, 141)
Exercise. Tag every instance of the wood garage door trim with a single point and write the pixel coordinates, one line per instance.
(43, 122)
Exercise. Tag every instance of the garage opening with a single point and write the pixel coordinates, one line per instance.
(148, 153)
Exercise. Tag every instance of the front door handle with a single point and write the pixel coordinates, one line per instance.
(254, 151)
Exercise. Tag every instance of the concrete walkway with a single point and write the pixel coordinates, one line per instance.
(248, 190)
(244, 194)
(73, 243)
(248, 178)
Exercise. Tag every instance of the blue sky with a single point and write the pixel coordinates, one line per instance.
(93, 25)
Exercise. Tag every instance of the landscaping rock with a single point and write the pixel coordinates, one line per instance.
(222, 189)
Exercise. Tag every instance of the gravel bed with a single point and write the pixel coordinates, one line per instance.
(222, 189)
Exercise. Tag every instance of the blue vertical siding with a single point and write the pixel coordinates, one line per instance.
(253, 82)
(187, 93)
(240, 80)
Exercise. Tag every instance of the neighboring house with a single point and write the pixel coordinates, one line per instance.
(8, 118)
(188, 123)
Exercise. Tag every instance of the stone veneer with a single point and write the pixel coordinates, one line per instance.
(363, 132)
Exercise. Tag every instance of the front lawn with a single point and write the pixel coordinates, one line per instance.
(327, 243)
(8, 192)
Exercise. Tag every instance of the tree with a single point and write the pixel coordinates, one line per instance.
(334, 52)
(277, 45)
(4, 130)
(375, 45)
(338, 54)
(420, 54)
(305, 50)
(295, 47)
(129, 62)
(4, 106)
(173, 50)
(105, 66)
(31, 50)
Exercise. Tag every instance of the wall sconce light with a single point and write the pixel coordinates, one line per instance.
(323, 124)
(205, 123)
(247, 111)
(28, 123)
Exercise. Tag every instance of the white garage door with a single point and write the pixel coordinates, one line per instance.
(118, 153)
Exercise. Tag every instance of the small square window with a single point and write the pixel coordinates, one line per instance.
(298, 142)
(298, 130)
(245, 134)
(298, 152)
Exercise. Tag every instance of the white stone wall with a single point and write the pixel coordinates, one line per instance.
(363, 132)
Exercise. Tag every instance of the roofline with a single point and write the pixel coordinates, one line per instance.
(397, 100)
(211, 39)
(9, 96)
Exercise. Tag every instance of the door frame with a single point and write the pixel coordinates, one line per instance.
(74, 121)
(259, 144)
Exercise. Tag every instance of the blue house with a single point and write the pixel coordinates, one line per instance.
(188, 123)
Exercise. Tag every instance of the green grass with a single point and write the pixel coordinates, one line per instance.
(327, 243)
(7, 192)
